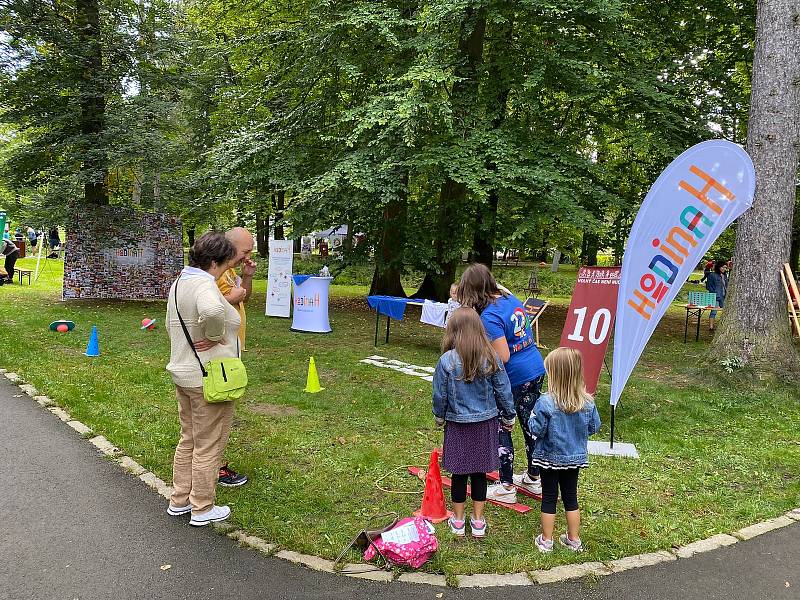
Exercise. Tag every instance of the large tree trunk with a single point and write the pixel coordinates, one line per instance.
(390, 252)
(262, 233)
(755, 327)
(93, 103)
(485, 230)
(436, 284)
(280, 207)
(591, 241)
(486, 221)
(453, 194)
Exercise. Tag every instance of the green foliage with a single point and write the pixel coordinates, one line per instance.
(531, 125)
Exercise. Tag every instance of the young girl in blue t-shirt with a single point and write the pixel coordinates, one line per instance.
(506, 324)
(565, 418)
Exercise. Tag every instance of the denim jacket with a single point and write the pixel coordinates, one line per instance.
(484, 398)
(561, 437)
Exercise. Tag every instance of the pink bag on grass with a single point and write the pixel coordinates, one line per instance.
(411, 542)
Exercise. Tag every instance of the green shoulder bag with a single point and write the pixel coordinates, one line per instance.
(224, 379)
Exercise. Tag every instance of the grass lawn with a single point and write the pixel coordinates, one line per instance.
(718, 452)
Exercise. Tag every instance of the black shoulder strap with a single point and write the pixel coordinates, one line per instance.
(186, 331)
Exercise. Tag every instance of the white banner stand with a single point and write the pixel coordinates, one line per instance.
(279, 278)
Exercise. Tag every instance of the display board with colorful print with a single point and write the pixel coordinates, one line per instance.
(113, 252)
(691, 203)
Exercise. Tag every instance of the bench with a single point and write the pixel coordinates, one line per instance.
(24, 273)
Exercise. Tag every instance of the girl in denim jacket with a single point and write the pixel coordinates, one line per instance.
(471, 398)
(565, 418)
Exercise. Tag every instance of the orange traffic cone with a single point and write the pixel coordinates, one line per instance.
(433, 507)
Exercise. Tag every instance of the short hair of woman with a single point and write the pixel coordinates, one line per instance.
(477, 287)
(465, 334)
(719, 264)
(210, 247)
(565, 382)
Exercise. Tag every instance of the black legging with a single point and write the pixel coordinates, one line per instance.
(10, 261)
(459, 487)
(552, 479)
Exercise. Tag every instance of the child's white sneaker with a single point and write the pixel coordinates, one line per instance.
(477, 528)
(499, 493)
(523, 480)
(543, 545)
(457, 528)
(574, 545)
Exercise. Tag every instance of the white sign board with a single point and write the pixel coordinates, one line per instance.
(279, 278)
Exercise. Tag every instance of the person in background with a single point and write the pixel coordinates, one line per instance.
(33, 238)
(452, 302)
(213, 326)
(706, 270)
(54, 238)
(717, 283)
(470, 391)
(507, 327)
(11, 253)
(237, 289)
(565, 418)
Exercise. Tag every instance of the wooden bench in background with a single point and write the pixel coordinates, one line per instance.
(24, 273)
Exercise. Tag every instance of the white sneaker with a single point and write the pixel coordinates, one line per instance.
(523, 480)
(178, 510)
(216, 514)
(543, 545)
(499, 493)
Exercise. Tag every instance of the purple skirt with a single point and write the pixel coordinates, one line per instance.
(471, 447)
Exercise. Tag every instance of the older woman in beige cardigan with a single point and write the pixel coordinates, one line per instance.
(213, 326)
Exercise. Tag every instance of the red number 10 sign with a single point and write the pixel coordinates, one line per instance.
(590, 318)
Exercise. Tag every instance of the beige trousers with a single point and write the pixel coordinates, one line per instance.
(205, 428)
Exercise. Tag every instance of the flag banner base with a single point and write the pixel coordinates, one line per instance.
(620, 449)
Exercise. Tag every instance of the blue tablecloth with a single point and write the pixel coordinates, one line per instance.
(391, 306)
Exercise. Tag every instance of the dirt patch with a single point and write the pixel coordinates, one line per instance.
(273, 410)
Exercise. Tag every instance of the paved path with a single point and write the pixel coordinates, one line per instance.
(74, 525)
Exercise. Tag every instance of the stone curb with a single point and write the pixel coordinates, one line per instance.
(752, 531)
(482, 580)
(130, 465)
(29, 389)
(706, 545)
(423, 578)
(106, 447)
(43, 401)
(640, 560)
(312, 562)
(373, 573)
(60, 413)
(565, 572)
(79, 427)
(13, 377)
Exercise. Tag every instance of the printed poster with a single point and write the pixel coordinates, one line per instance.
(279, 278)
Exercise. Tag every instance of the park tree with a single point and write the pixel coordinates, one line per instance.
(755, 330)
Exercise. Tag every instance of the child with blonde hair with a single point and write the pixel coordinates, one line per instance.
(472, 399)
(565, 418)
